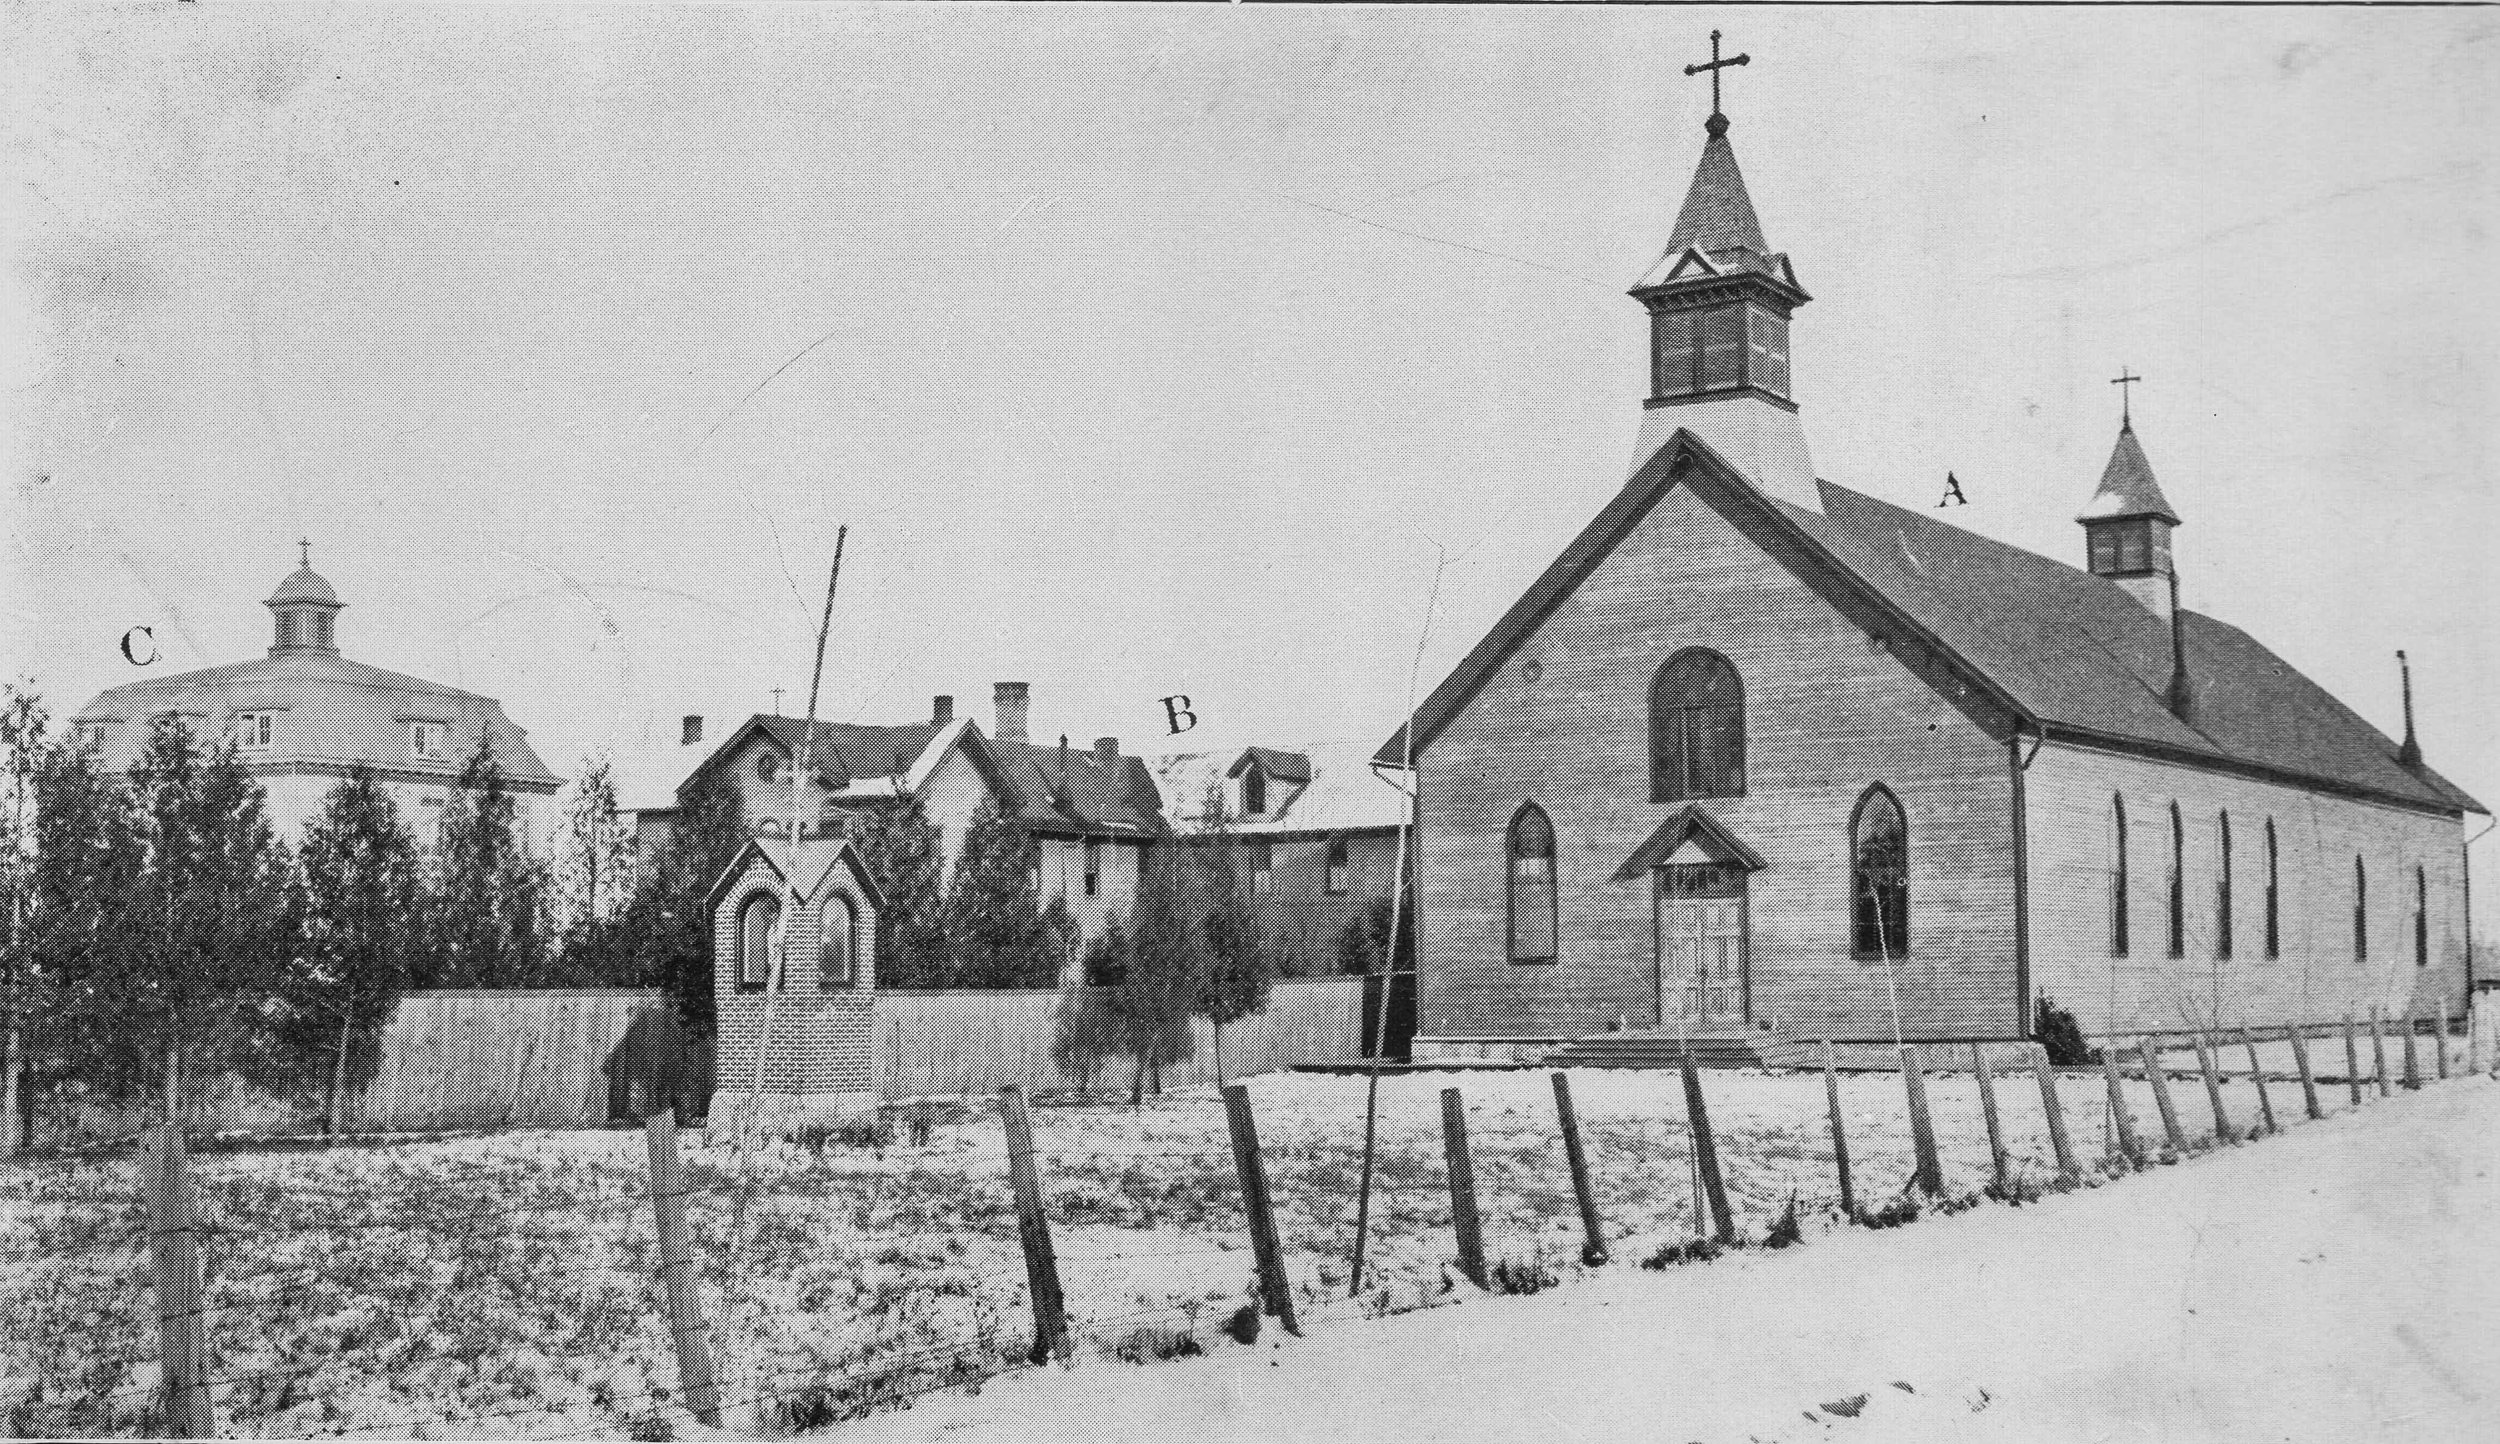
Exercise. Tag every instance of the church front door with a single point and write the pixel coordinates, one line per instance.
(1701, 945)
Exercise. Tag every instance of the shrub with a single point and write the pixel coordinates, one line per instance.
(2062, 1036)
(1892, 1215)
(1521, 1276)
(1242, 1326)
(1785, 1230)
(1155, 1342)
(1700, 1250)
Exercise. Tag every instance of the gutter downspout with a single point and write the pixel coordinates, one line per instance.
(2018, 763)
(2465, 873)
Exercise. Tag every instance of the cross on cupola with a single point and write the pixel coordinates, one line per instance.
(1718, 119)
(2125, 382)
(304, 609)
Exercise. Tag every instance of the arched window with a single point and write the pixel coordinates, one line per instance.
(1879, 877)
(2222, 890)
(2274, 897)
(2421, 918)
(1338, 873)
(1696, 728)
(768, 766)
(2118, 877)
(759, 931)
(837, 958)
(2178, 884)
(1253, 791)
(2360, 911)
(1531, 863)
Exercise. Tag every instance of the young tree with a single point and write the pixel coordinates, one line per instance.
(997, 935)
(1152, 999)
(360, 919)
(593, 873)
(214, 917)
(899, 846)
(1240, 964)
(485, 905)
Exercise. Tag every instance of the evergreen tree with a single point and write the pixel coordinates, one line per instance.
(24, 744)
(1153, 997)
(899, 846)
(997, 935)
(361, 887)
(213, 923)
(88, 854)
(486, 902)
(1239, 964)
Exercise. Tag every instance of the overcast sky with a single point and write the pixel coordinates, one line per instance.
(1163, 350)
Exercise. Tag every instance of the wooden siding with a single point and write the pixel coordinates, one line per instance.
(1301, 917)
(1827, 714)
(2315, 980)
(490, 1059)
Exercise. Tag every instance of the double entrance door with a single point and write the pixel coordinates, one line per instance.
(1700, 925)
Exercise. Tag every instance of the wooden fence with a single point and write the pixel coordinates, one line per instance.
(488, 1059)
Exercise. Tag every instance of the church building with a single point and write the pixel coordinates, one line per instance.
(1760, 759)
(301, 716)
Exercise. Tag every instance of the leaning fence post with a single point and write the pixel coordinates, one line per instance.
(2308, 1080)
(1594, 1250)
(2378, 1054)
(1260, 1207)
(2257, 1075)
(2413, 1059)
(1706, 1154)
(1988, 1109)
(1462, 1171)
(2160, 1079)
(182, 1341)
(2118, 1119)
(2055, 1109)
(1041, 1262)
(1929, 1173)
(2213, 1089)
(2439, 1048)
(1840, 1135)
(2352, 1060)
(685, 1296)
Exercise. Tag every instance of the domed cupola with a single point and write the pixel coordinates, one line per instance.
(305, 607)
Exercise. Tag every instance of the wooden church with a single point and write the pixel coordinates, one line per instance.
(1761, 758)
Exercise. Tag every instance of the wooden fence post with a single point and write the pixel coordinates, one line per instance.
(1462, 1171)
(2308, 1080)
(2155, 1074)
(2352, 1061)
(173, 1247)
(1929, 1173)
(2413, 1058)
(1041, 1262)
(1706, 1154)
(2257, 1075)
(2474, 1032)
(1264, 1245)
(685, 1294)
(2378, 1054)
(2439, 1048)
(2119, 1122)
(2054, 1108)
(1593, 1251)
(2213, 1089)
(1988, 1109)
(1840, 1135)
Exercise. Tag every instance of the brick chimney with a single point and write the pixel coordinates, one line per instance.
(1015, 707)
(689, 730)
(942, 710)
(1107, 751)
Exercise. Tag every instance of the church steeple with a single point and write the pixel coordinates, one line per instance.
(304, 608)
(2127, 524)
(1719, 302)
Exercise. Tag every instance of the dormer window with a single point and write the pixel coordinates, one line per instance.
(427, 741)
(1253, 791)
(253, 731)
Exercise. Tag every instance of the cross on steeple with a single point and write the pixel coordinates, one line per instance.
(776, 701)
(2125, 382)
(1714, 67)
(306, 544)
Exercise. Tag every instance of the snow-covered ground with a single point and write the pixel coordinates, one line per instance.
(2336, 1283)
(504, 1285)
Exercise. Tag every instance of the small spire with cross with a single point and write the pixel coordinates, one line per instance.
(306, 544)
(2125, 381)
(1718, 120)
(777, 701)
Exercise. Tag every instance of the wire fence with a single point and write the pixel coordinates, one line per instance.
(520, 1284)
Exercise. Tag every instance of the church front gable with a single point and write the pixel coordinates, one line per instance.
(1693, 670)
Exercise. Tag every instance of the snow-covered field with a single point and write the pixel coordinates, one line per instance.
(504, 1285)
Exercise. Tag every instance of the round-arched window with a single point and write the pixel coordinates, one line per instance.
(759, 932)
(837, 957)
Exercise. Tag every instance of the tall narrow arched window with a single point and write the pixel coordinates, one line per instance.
(2222, 888)
(2421, 918)
(1879, 877)
(1696, 728)
(2274, 896)
(2117, 877)
(2178, 884)
(1531, 864)
(2360, 911)
(837, 957)
(759, 929)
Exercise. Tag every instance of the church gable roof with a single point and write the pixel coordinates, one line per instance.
(2056, 645)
